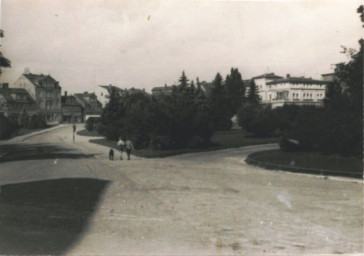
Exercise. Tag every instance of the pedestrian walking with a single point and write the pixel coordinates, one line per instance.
(121, 145)
(129, 147)
(74, 128)
(111, 154)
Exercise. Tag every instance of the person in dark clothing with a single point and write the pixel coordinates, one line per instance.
(111, 154)
(129, 147)
(74, 128)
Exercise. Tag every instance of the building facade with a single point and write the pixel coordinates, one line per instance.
(277, 91)
(91, 106)
(72, 111)
(15, 102)
(162, 90)
(45, 91)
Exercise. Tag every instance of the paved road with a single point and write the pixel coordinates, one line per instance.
(60, 197)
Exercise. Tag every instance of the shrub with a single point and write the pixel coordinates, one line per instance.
(160, 142)
(289, 145)
(7, 127)
(257, 120)
(91, 123)
(112, 132)
(195, 142)
(37, 121)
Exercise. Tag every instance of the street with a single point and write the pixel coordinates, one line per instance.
(64, 197)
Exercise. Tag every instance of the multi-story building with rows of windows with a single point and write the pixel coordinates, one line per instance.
(277, 91)
(45, 91)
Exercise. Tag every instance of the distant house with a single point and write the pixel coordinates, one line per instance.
(91, 106)
(296, 90)
(72, 111)
(328, 77)
(115, 89)
(207, 87)
(14, 102)
(45, 91)
(162, 90)
(277, 91)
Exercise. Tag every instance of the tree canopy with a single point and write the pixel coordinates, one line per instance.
(4, 62)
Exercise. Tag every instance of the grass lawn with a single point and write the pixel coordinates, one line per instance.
(220, 140)
(88, 133)
(308, 163)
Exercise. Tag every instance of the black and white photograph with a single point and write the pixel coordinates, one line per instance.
(181, 127)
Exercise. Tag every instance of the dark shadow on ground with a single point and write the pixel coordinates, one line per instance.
(46, 217)
(21, 152)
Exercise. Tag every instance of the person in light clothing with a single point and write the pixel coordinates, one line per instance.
(121, 145)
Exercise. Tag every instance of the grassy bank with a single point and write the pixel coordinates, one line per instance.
(220, 140)
(88, 133)
(313, 163)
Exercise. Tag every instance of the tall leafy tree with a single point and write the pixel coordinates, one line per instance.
(220, 104)
(253, 95)
(235, 89)
(4, 62)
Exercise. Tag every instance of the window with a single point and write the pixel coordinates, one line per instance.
(49, 104)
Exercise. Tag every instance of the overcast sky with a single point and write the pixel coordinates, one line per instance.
(143, 44)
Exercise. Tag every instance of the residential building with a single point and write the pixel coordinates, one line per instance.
(261, 84)
(45, 91)
(91, 106)
(277, 91)
(207, 87)
(294, 90)
(121, 92)
(72, 111)
(14, 102)
(328, 77)
(163, 90)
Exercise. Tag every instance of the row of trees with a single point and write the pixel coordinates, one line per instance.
(186, 118)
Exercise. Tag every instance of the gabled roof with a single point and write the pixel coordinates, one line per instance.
(207, 87)
(297, 80)
(162, 88)
(66, 102)
(268, 75)
(7, 92)
(95, 106)
(38, 79)
(132, 90)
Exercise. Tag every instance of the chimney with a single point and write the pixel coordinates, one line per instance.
(288, 76)
(26, 71)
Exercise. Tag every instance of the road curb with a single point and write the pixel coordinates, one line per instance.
(318, 172)
(42, 132)
(3, 155)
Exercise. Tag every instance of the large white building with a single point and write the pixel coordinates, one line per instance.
(277, 91)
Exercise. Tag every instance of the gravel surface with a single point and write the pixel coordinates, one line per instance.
(195, 204)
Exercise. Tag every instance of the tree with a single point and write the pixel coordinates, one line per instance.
(183, 82)
(220, 105)
(253, 95)
(4, 62)
(235, 89)
(361, 11)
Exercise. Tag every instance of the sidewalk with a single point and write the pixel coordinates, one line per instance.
(17, 139)
(29, 135)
